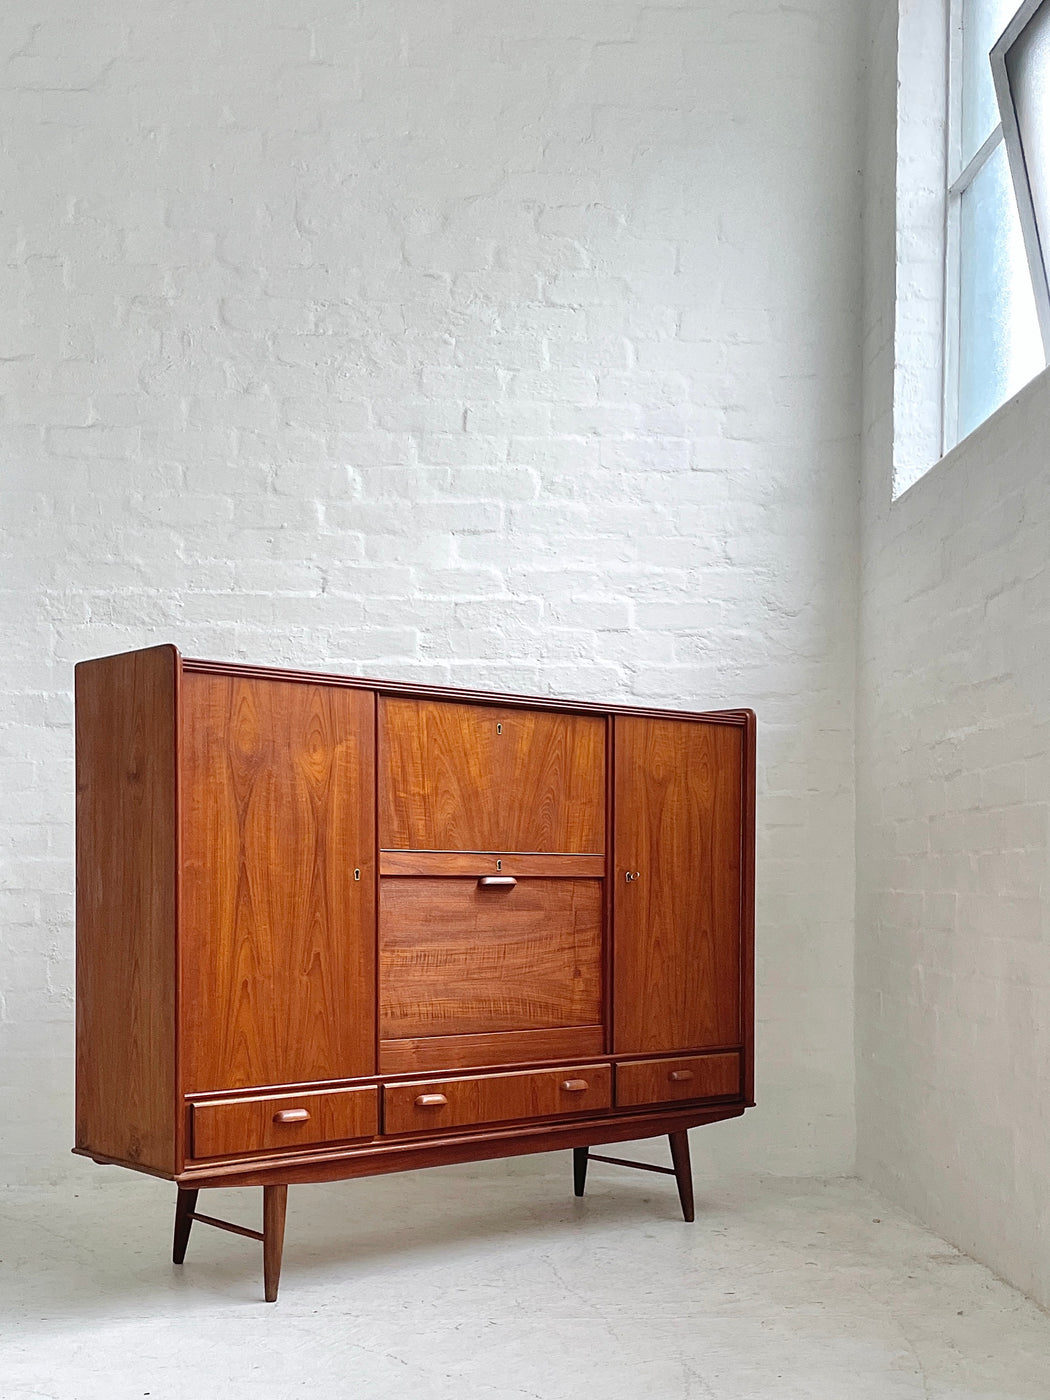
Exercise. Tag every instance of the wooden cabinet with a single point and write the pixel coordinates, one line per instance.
(329, 927)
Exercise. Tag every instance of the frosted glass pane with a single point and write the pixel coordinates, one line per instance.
(999, 343)
(982, 23)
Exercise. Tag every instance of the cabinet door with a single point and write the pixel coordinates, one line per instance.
(277, 932)
(677, 920)
(458, 958)
(457, 777)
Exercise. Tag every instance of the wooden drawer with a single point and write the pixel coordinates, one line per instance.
(270, 1122)
(684, 1077)
(435, 1105)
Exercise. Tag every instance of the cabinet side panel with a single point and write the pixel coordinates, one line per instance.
(125, 1018)
(677, 950)
(278, 935)
(747, 905)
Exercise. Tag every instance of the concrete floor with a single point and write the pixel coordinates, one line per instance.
(492, 1282)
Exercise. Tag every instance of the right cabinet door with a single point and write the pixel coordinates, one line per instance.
(678, 814)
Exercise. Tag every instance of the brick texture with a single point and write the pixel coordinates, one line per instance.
(510, 345)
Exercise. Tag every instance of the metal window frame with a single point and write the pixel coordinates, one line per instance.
(956, 185)
(1010, 126)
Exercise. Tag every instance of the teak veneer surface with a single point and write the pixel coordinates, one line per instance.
(495, 1098)
(461, 777)
(460, 695)
(273, 1122)
(396, 1154)
(277, 934)
(477, 863)
(126, 795)
(683, 1077)
(460, 958)
(417, 1055)
(677, 926)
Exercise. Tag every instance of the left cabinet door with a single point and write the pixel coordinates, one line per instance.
(277, 900)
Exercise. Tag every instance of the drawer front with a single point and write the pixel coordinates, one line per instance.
(685, 1077)
(435, 1105)
(234, 1127)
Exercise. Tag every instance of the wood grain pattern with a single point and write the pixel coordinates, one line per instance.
(275, 1207)
(490, 863)
(428, 1054)
(681, 1078)
(462, 1145)
(449, 779)
(235, 1127)
(493, 1098)
(677, 928)
(278, 978)
(126, 908)
(456, 958)
(456, 694)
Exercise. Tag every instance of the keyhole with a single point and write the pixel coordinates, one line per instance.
(499, 865)
(357, 874)
(499, 728)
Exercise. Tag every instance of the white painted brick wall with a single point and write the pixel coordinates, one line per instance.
(507, 344)
(953, 797)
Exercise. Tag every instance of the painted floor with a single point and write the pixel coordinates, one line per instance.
(492, 1282)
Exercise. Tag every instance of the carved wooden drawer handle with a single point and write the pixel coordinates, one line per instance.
(575, 1086)
(431, 1101)
(680, 1076)
(292, 1115)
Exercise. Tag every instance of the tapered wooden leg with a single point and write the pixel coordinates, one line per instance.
(683, 1171)
(185, 1205)
(275, 1203)
(579, 1169)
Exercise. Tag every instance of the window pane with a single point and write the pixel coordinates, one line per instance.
(999, 344)
(982, 23)
(1028, 71)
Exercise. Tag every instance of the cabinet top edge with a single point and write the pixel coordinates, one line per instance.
(422, 691)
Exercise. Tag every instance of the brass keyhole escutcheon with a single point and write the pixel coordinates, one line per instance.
(499, 728)
(499, 865)
(357, 874)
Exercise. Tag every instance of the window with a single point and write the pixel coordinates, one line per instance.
(993, 343)
(1021, 69)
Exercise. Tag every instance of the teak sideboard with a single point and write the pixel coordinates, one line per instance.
(330, 927)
